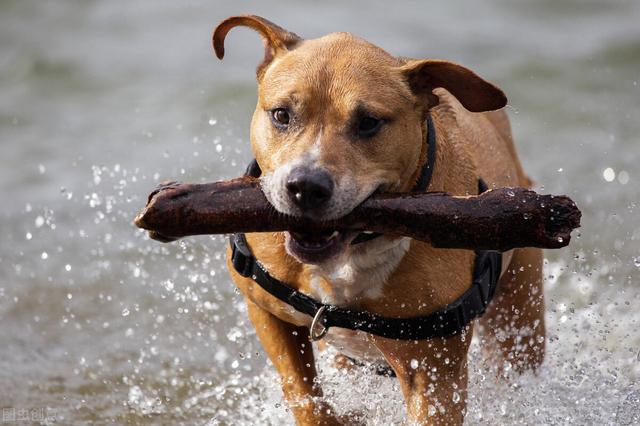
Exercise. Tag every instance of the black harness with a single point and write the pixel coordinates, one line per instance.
(448, 321)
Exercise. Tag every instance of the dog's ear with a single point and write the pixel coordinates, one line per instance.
(475, 93)
(276, 40)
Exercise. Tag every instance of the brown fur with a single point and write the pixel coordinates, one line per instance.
(325, 80)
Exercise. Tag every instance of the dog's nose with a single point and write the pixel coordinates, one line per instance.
(309, 189)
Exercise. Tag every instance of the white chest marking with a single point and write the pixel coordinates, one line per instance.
(360, 273)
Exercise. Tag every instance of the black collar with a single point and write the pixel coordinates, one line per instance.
(427, 169)
(448, 321)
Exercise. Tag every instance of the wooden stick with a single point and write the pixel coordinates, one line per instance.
(499, 219)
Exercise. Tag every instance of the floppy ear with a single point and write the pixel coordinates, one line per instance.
(276, 40)
(475, 94)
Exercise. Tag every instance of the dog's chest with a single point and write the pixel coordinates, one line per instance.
(361, 274)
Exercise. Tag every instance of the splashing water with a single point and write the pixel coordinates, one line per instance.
(100, 324)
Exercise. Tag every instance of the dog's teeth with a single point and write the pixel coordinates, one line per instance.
(335, 234)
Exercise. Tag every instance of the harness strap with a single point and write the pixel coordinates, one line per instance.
(445, 322)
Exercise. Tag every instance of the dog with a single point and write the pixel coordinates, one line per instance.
(337, 120)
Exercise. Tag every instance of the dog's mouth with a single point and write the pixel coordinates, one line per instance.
(318, 247)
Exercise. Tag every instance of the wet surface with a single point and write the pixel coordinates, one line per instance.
(101, 101)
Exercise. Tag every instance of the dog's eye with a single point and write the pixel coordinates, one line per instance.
(368, 126)
(280, 117)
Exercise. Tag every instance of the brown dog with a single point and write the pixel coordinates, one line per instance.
(338, 119)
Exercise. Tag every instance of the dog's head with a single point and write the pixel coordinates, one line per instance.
(338, 119)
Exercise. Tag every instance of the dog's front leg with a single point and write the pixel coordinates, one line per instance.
(432, 375)
(289, 349)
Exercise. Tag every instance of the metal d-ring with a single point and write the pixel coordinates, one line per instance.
(318, 319)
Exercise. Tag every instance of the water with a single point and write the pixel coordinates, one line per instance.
(101, 100)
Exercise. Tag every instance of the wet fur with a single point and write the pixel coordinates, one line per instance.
(326, 78)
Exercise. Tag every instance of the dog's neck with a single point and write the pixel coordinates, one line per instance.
(455, 172)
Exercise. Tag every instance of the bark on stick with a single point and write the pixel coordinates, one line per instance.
(499, 219)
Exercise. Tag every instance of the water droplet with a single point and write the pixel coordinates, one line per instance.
(44, 255)
(623, 177)
(560, 170)
(609, 174)
(42, 169)
(527, 216)
(39, 221)
(28, 236)
(212, 121)
(636, 261)
(218, 148)
(456, 397)
(431, 410)
(414, 364)
(125, 312)
(67, 267)
(560, 239)
(510, 193)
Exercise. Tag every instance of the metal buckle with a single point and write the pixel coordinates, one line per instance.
(313, 336)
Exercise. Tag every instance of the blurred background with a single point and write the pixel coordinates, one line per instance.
(99, 101)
